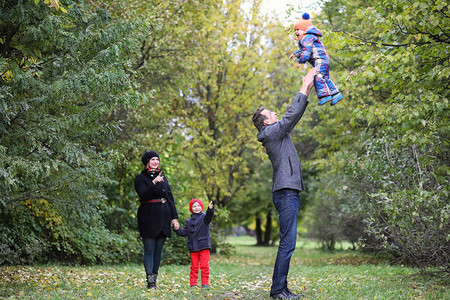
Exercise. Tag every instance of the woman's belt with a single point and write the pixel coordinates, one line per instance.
(162, 200)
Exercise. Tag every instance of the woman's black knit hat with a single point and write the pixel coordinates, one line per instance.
(148, 155)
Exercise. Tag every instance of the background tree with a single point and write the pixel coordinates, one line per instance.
(62, 72)
(235, 72)
(169, 36)
(167, 28)
(253, 207)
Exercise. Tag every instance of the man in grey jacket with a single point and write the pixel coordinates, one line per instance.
(287, 179)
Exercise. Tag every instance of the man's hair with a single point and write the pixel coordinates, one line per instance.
(258, 118)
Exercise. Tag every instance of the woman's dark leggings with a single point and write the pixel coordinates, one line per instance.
(152, 253)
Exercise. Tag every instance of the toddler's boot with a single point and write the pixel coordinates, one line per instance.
(324, 100)
(336, 98)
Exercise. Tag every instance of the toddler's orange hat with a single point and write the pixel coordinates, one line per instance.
(303, 23)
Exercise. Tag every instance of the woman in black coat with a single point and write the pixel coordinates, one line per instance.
(155, 214)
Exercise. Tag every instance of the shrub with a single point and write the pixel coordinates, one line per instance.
(402, 194)
(413, 225)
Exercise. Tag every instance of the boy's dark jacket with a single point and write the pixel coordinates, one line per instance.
(196, 228)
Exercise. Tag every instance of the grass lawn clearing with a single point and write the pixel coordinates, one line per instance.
(245, 275)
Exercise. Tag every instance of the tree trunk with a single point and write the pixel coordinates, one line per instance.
(258, 231)
(260, 239)
(268, 232)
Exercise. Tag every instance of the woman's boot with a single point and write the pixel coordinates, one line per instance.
(151, 280)
(156, 277)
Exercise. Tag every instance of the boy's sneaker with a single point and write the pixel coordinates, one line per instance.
(336, 98)
(205, 286)
(324, 100)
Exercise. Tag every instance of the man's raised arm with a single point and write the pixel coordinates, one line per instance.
(308, 82)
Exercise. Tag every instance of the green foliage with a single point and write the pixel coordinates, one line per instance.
(329, 220)
(226, 249)
(401, 211)
(167, 37)
(75, 117)
(41, 235)
(236, 69)
(62, 72)
(175, 251)
(20, 239)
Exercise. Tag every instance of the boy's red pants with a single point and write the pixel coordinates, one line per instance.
(200, 257)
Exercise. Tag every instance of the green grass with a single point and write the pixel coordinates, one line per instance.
(246, 275)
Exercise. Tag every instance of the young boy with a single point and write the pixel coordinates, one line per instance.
(197, 230)
(313, 50)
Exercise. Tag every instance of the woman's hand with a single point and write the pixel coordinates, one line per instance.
(211, 206)
(159, 178)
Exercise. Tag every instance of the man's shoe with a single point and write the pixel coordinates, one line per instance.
(324, 100)
(280, 295)
(294, 295)
(336, 98)
(284, 294)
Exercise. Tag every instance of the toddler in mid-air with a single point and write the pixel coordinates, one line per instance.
(312, 49)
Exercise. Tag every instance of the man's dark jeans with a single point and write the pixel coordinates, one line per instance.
(287, 202)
